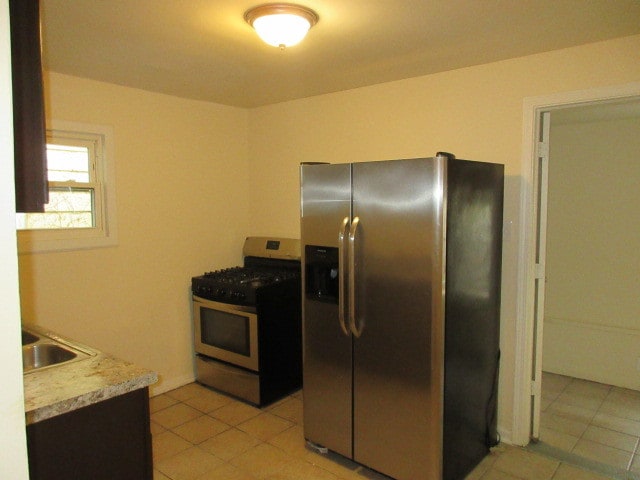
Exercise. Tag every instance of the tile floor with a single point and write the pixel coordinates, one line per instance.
(199, 434)
(595, 421)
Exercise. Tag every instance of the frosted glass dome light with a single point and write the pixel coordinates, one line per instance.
(281, 24)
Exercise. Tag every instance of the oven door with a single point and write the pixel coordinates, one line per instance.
(226, 332)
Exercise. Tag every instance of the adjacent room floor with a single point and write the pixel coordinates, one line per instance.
(597, 422)
(204, 435)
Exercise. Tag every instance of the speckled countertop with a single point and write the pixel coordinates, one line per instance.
(66, 387)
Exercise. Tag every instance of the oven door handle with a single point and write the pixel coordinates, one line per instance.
(355, 330)
(342, 284)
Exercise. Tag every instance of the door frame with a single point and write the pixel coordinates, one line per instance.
(525, 348)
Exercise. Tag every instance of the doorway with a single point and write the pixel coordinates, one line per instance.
(530, 331)
(590, 398)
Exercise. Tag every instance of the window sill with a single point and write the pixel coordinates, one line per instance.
(39, 242)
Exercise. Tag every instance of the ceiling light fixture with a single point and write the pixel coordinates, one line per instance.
(281, 24)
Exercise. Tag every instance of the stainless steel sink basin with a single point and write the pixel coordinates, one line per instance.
(44, 354)
(42, 349)
(28, 338)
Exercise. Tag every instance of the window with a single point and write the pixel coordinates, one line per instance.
(81, 208)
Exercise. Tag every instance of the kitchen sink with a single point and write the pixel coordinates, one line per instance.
(43, 350)
(29, 338)
(44, 355)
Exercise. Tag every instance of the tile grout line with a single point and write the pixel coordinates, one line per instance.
(557, 402)
(556, 470)
(595, 414)
(633, 455)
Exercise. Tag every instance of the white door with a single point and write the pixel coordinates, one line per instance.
(541, 184)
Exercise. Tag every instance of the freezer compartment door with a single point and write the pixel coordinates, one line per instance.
(327, 381)
(398, 357)
(327, 351)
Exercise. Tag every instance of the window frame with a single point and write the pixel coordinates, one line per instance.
(104, 233)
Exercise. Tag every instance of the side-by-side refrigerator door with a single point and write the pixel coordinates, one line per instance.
(327, 376)
(398, 334)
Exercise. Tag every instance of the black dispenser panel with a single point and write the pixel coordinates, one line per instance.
(321, 268)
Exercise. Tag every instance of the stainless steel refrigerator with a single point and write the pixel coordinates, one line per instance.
(401, 306)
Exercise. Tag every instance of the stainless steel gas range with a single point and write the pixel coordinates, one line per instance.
(247, 323)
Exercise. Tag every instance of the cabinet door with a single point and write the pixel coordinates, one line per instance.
(105, 441)
(30, 157)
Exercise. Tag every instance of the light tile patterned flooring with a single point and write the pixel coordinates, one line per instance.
(199, 434)
(595, 421)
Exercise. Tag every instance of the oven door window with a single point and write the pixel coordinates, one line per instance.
(226, 331)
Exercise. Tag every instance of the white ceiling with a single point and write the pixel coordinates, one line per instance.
(203, 49)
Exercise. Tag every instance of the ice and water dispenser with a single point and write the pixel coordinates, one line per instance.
(321, 273)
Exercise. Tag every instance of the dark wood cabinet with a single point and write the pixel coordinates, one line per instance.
(105, 441)
(29, 132)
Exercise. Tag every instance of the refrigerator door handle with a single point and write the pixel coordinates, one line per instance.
(352, 279)
(342, 284)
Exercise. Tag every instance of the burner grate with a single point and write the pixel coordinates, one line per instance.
(238, 285)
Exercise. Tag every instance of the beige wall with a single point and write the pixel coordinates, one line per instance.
(593, 243)
(182, 208)
(476, 113)
(194, 178)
